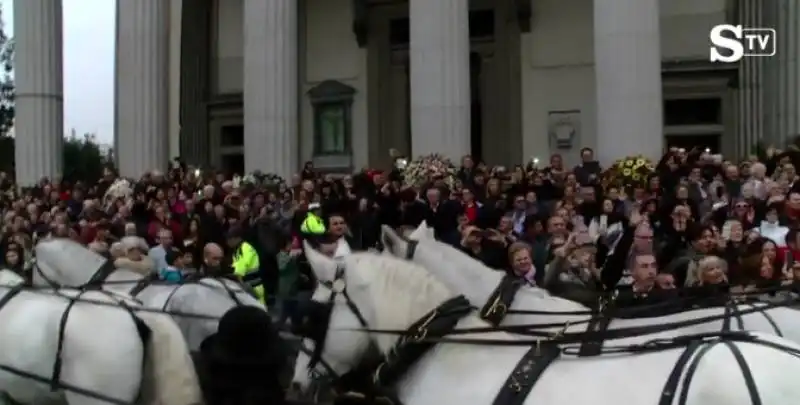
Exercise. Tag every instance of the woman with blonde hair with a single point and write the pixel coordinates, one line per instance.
(710, 270)
(707, 281)
(520, 258)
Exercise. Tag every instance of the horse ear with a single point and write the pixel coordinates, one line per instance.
(323, 266)
(389, 238)
(429, 231)
(420, 233)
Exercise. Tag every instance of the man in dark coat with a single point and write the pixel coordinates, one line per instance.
(242, 362)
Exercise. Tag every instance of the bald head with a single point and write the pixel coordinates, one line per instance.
(212, 255)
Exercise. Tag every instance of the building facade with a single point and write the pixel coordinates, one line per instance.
(269, 84)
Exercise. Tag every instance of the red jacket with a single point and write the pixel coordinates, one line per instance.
(155, 225)
(783, 251)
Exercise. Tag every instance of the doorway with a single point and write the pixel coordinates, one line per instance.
(476, 106)
(494, 77)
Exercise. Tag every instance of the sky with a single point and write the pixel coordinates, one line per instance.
(88, 64)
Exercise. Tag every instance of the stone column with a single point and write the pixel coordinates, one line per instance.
(627, 54)
(782, 58)
(791, 46)
(440, 82)
(270, 87)
(38, 75)
(749, 114)
(770, 12)
(142, 92)
(195, 63)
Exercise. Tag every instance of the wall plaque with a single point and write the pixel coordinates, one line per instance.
(564, 128)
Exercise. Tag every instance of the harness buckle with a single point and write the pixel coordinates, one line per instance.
(498, 308)
(422, 329)
(560, 333)
(376, 376)
(515, 385)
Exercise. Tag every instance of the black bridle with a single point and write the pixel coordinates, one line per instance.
(337, 286)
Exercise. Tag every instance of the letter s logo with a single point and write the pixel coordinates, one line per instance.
(717, 40)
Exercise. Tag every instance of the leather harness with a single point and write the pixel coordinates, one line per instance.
(536, 360)
(55, 379)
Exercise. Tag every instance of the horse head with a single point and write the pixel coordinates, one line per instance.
(365, 290)
(332, 345)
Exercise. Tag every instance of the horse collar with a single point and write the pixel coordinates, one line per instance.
(496, 307)
(420, 337)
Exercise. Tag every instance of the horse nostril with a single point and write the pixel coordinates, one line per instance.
(295, 387)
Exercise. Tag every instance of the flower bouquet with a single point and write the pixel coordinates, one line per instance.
(269, 181)
(120, 189)
(629, 171)
(418, 172)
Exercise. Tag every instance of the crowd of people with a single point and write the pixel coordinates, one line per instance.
(691, 220)
(691, 223)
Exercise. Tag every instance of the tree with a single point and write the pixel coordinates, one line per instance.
(83, 159)
(6, 80)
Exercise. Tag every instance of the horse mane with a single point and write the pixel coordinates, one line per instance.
(402, 290)
(487, 274)
(492, 277)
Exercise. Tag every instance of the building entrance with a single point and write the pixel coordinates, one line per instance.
(494, 87)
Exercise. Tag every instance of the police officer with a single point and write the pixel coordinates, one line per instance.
(313, 223)
(245, 262)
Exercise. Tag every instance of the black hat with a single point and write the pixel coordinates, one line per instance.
(171, 255)
(235, 232)
(245, 337)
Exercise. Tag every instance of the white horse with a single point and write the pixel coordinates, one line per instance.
(103, 359)
(477, 282)
(196, 306)
(390, 294)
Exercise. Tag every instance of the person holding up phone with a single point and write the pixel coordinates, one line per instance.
(481, 245)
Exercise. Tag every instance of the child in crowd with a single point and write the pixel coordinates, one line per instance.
(174, 272)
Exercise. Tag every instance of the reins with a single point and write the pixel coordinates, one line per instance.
(565, 337)
(605, 297)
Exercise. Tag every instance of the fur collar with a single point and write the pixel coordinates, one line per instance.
(144, 266)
